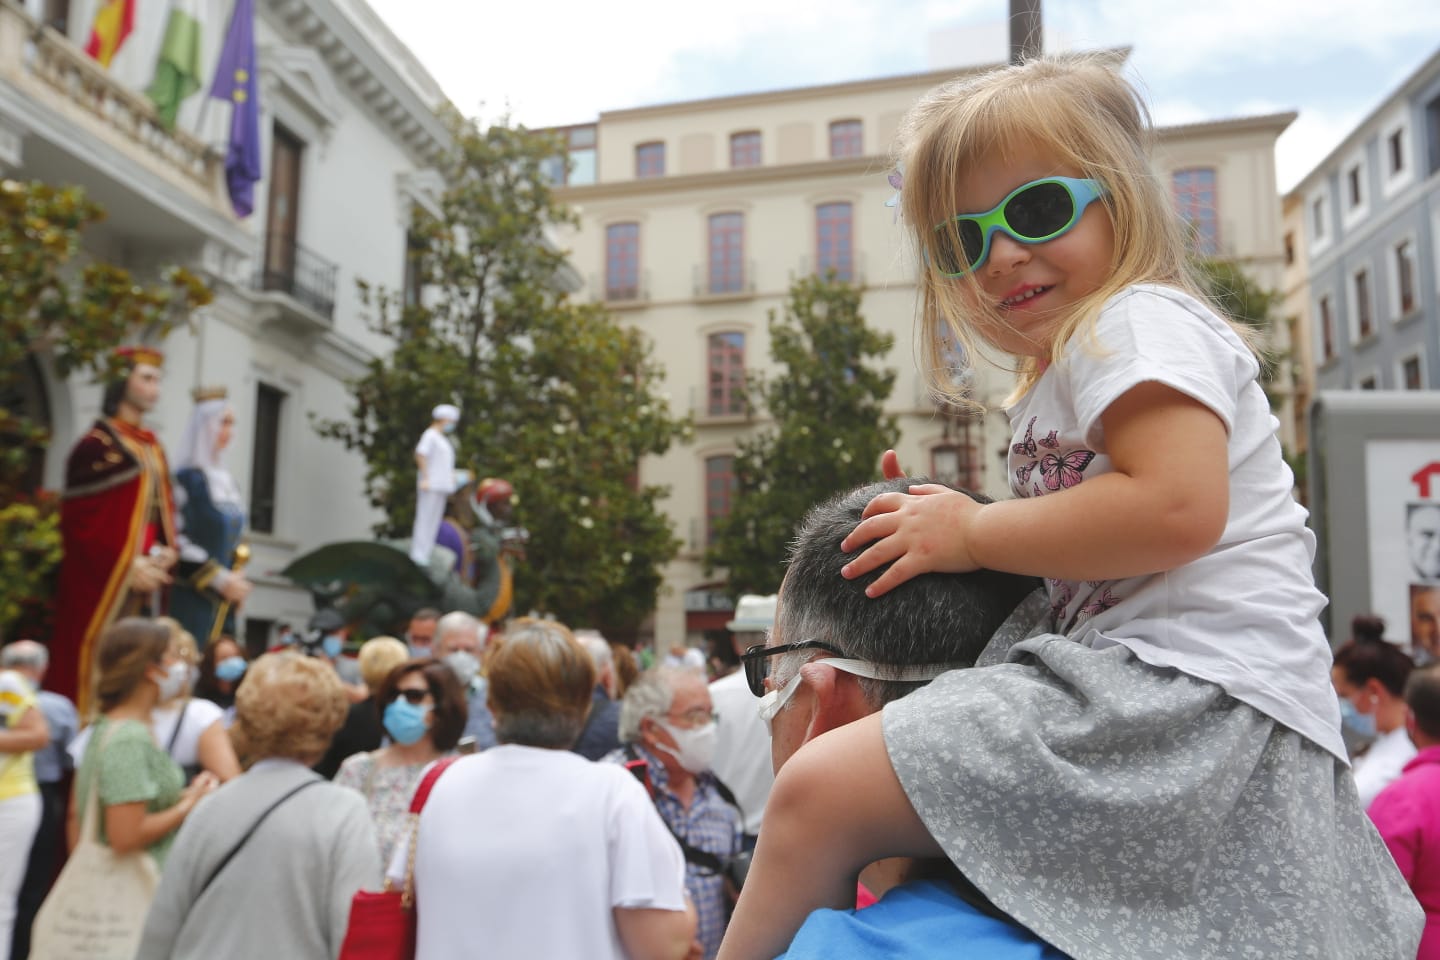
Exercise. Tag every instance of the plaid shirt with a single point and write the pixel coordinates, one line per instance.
(708, 824)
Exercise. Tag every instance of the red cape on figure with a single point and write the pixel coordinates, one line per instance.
(102, 528)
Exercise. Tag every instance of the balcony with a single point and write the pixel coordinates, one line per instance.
(853, 272)
(716, 282)
(79, 122)
(299, 282)
(621, 296)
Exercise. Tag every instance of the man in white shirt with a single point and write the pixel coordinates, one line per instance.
(742, 747)
(437, 479)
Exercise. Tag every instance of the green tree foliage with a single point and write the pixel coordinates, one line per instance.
(1244, 301)
(556, 397)
(53, 302)
(827, 403)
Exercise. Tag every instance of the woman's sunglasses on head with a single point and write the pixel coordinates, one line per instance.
(1034, 212)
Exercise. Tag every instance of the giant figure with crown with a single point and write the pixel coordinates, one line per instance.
(117, 525)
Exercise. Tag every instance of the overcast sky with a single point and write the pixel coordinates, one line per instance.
(565, 61)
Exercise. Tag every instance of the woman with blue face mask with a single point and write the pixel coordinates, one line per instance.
(1369, 677)
(423, 710)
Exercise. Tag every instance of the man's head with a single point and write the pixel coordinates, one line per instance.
(420, 634)
(1422, 535)
(931, 621)
(668, 711)
(445, 416)
(458, 631)
(27, 658)
(754, 614)
(1422, 696)
(136, 387)
(603, 656)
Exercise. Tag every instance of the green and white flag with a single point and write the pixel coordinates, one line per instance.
(177, 72)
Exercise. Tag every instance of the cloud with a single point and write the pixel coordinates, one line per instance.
(1310, 138)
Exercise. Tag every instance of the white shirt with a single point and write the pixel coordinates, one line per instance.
(1382, 764)
(1246, 615)
(524, 852)
(439, 456)
(200, 715)
(742, 747)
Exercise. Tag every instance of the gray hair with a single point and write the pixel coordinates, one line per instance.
(598, 648)
(25, 654)
(934, 618)
(457, 621)
(651, 695)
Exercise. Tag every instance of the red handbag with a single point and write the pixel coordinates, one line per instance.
(382, 925)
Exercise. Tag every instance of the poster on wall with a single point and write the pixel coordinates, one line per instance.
(1402, 484)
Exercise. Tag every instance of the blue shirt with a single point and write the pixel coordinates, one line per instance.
(479, 723)
(53, 760)
(915, 921)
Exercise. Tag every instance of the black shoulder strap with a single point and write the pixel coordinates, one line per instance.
(249, 833)
(175, 734)
(703, 859)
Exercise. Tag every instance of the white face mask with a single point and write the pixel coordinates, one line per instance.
(174, 681)
(695, 748)
(465, 665)
(774, 700)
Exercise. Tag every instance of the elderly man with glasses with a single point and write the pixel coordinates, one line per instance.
(667, 726)
(835, 656)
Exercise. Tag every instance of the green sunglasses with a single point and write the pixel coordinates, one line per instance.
(1034, 212)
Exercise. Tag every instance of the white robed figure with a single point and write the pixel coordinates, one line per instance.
(436, 479)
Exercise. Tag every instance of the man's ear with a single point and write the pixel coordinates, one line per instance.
(836, 697)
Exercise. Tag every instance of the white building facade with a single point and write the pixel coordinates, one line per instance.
(350, 142)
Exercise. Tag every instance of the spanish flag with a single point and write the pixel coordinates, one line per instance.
(113, 23)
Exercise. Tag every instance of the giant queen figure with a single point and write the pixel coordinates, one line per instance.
(117, 524)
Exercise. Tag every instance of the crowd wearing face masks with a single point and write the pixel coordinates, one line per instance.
(176, 722)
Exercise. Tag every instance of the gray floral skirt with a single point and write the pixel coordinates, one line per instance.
(1123, 811)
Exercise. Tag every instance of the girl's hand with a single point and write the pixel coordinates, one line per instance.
(924, 531)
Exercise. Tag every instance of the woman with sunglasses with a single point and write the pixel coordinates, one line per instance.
(1162, 768)
(422, 708)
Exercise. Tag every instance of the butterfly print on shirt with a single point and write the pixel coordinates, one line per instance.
(1064, 472)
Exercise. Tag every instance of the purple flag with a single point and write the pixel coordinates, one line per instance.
(235, 82)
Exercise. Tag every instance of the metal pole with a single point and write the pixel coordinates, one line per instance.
(1026, 38)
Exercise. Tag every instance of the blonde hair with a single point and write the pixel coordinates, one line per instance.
(182, 641)
(378, 656)
(287, 706)
(1077, 110)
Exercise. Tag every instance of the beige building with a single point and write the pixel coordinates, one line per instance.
(696, 217)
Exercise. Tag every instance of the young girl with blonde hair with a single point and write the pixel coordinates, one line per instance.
(1160, 773)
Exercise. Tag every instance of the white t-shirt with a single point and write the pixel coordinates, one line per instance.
(742, 747)
(524, 852)
(199, 716)
(1246, 615)
(439, 456)
(1382, 764)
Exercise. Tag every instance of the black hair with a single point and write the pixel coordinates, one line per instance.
(1422, 696)
(934, 618)
(1369, 656)
(114, 393)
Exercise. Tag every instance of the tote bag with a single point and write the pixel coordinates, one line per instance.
(96, 910)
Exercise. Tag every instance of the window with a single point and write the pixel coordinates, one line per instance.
(622, 261)
(1289, 249)
(727, 246)
(650, 160)
(1404, 278)
(1411, 375)
(1364, 318)
(1195, 198)
(1317, 217)
(57, 15)
(576, 166)
(257, 635)
(834, 240)
(725, 374)
(1395, 144)
(1352, 180)
(265, 461)
(1368, 383)
(416, 247)
(745, 149)
(956, 463)
(1432, 133)
(846, 139)
(719, 487)
(1327, 329)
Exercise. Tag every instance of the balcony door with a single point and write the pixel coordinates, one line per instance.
(282, 215)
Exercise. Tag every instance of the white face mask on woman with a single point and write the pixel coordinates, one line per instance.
(694, 749)
(174, 681)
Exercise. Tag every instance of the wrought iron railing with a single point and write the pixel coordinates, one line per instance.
(300, 274)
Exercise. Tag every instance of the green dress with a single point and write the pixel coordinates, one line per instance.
(131, 768)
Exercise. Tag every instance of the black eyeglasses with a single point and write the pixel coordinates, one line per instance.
(756, 660)
(416, 697)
